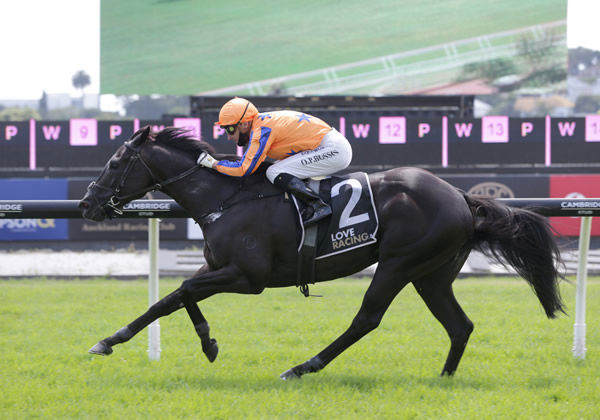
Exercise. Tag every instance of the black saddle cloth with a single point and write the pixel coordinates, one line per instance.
(353, 222)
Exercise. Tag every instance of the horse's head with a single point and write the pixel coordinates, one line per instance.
(125, 177)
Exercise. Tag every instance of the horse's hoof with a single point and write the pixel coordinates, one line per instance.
(101, 348)
(289, 374)
(212, 350)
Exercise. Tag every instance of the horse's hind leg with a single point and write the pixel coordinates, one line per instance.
(439, 297)
(380, 294)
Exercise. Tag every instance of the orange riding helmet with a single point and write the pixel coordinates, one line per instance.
(236, 111)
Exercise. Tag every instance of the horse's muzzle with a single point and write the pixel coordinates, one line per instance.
(91, 212)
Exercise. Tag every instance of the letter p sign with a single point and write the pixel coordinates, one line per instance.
(526, 128)
(114, 131)
(423, 129)
(10, 131)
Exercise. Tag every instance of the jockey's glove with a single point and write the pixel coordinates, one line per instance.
(206, 160)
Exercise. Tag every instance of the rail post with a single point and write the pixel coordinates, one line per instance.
(154, 327)
(579, 329)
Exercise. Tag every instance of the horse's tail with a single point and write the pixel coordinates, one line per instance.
(524, 240)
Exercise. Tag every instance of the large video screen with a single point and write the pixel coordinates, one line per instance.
(255, 48)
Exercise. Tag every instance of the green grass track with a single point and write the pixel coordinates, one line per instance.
(518, 364)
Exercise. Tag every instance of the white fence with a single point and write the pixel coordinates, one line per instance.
(408, 71)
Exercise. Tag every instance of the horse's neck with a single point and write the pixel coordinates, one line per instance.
(203, 191)
(199, 192)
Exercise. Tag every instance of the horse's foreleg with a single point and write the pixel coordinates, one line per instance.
(209, 345)
(383, 289)
(163, 307)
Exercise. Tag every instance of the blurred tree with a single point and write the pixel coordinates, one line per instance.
(545, 77)
(539, 52)
(80, 80)
(582, 59)
(154, 107)
(587, 105)
(76, 112)
(488, 70)
(503, 105)
(43, 105)
(18, 114)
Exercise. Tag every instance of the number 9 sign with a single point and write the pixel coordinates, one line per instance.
(83, 132)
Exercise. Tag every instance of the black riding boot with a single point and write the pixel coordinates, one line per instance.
(317, 209)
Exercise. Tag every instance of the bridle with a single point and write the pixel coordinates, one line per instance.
(116, 201)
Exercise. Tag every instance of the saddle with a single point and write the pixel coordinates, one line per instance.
(353, 223)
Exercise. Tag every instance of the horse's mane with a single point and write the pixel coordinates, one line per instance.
(181, 138)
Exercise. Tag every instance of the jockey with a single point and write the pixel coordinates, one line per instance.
(302, 145)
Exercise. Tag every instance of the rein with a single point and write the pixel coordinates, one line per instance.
(115, 200)
(205, 218)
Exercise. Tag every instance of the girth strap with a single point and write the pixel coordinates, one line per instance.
(308, 251)
(306, 260)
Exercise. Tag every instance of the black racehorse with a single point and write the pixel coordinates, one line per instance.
(427, 229)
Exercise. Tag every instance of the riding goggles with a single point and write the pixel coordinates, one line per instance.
(229, 129)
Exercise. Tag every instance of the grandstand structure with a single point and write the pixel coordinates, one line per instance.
(400, 73)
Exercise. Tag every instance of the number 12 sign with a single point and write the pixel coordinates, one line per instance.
(392, 130)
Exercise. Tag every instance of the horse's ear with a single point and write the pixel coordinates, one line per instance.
(140, 136)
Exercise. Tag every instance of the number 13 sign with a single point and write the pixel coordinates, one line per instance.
(494, 129)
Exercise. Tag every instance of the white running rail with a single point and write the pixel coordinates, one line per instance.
(408, 70)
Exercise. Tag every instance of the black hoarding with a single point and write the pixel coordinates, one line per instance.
(14, 145)
(385, 138)
(503, 186)
(380, 139)
(77, 143)
(422, 144)
(388, 139)
(496, 140)
(575, 140)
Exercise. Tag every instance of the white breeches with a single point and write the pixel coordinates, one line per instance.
(332, 155)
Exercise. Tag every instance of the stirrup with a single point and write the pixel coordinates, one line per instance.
(319, 213)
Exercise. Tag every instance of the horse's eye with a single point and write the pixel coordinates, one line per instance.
(114, 165)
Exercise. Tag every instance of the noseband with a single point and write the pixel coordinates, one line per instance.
(116, 201)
